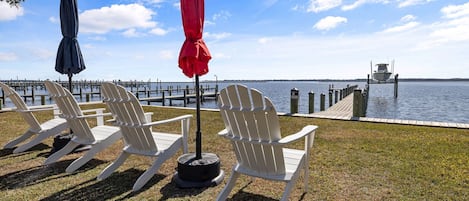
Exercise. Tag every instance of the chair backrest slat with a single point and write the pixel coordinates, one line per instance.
(70, 111)
(251, 119)
(21, 105)
(129, 114)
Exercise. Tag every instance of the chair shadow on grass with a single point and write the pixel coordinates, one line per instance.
(114, 186)
(9, 152)
(241, 195)
(170, 190)
(40, 174)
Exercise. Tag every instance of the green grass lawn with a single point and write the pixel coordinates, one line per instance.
(350, 161)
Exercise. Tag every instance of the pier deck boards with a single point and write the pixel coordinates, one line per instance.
(341, 110)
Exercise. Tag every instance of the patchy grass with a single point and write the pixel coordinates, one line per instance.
(350, 161)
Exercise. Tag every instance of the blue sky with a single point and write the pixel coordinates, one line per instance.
(260, 39)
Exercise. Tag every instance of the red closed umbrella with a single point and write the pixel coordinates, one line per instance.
(194, 55)
(200, 170)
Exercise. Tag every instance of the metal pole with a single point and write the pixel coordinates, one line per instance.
(198, 139)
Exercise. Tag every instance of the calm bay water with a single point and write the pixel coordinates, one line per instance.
(426, 101)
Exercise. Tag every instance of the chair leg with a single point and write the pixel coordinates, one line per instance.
(69, 147)
(148, 174)
(18, 140)
(229, 186)
(96, 148)
(40, 137)
(113, 166)
(290, 185)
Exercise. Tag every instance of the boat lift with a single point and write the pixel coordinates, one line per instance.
(378, 77)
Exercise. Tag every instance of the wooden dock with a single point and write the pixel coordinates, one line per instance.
(185, 97)
(341, 110)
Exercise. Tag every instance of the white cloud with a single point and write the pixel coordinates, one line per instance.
(155, 1)
(158, 31)
(88, 46)
(264, 40)
(177, 5)
(131, 33)
(453, 28)
(54, 19)
(329, 22)
(44, 54)
(322, 5)
(208, 23)
(401, 28)
(116, 17)
(8, 56)
(354, 5)
(406, 3)
(222, 15)
(359, 3)
(408, 18)
(166, 54)
(97, 38)
(8, 12)
(216, 36)
(453, 11)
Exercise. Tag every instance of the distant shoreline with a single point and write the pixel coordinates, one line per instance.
(278, 80)
(350, 80)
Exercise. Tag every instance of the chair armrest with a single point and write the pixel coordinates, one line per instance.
(304, 132)
(37, 108)
(188, 116)
(223, 132)
(93, 110)
(99, 115)
(41, 107)
(94, 115)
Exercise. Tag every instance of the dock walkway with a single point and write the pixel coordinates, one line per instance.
(341, 110)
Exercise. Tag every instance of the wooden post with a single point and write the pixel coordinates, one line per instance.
(294, 96)
(396, 80)
(87, 97)
(202, 97)
(3, 95)
(43, 99)
(311, 102)
(341, 94)
(322, 102)
(357, 102)
(185, 98)
(330, 98)
(162, 98)
(24, 94)
(336, 94)
(32, 93)
(170, 100)
(1, 103)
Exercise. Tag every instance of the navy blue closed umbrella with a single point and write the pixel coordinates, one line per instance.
(69, 58)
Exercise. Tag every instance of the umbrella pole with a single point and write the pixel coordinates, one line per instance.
(198, 139)
(70, 88)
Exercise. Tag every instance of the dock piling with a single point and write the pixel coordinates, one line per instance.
(311, 102)
(294, 96)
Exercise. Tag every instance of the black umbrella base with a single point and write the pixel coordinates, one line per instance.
(198, 173)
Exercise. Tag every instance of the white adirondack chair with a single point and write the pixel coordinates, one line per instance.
(138, 136)
(42, 131)
(98, 137)
(253, 128)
